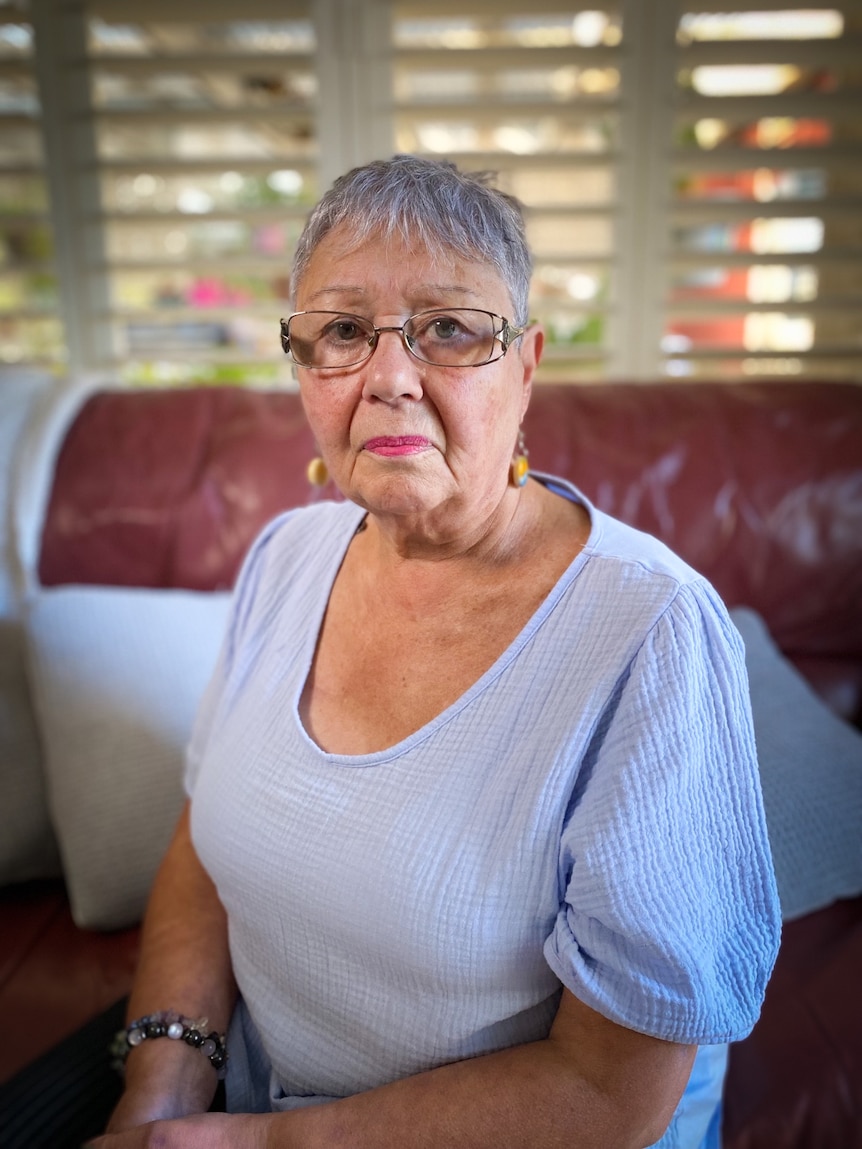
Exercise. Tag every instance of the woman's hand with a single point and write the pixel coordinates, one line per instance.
(164, 1080)
(133, 1111)
(203, 1131)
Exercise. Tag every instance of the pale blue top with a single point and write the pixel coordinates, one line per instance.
(587, 813)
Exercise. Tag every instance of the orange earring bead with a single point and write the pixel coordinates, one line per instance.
(317, 472)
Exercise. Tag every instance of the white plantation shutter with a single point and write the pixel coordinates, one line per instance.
(189, 160)
(30, 326)
(532, 92)
(763, 267)
(692, 179)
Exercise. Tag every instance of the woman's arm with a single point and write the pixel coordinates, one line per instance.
(184, 966)
(591, 1084)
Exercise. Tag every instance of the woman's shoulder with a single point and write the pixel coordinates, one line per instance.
(288, 536)
(631, 584)
(636, 551)
(614, 540)
(622, 563)
(294, 549)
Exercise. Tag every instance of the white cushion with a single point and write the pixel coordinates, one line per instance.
(116, 678)
(811, 774)
(21, 392)
(51, 415)
(35, 411)
(27, 846)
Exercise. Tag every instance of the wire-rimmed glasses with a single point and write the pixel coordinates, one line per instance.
(444, 337)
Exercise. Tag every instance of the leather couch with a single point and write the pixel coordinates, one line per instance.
(759, 486)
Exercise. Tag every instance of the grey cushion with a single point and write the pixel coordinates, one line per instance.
(811, 774)
(116, 677)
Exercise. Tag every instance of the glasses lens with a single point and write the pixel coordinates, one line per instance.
(456, 337)
(329, 339)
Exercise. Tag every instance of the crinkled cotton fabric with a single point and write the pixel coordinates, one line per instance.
(587, 814)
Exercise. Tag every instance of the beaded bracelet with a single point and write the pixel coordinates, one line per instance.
(169, 1023)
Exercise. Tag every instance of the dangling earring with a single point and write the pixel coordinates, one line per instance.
(519, 468)
(317, 472)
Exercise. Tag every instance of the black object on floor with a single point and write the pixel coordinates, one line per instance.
(66, 1095)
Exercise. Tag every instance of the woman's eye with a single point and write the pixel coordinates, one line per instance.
(344, 330)
(446, 328)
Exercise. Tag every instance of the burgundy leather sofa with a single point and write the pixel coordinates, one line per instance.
(759, 486)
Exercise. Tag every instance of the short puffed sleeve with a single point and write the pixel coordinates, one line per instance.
(670, 921)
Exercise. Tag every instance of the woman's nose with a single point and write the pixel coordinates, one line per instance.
(392, 371)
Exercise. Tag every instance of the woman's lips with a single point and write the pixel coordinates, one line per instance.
(391, 445)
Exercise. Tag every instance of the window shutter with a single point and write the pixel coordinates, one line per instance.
(194, 164)
(764, 275)
(532, 93)
(692, 180)
(30, 327)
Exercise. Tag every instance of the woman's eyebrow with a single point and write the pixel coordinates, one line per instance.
(337, 289)
(448, 289)
(427, 290)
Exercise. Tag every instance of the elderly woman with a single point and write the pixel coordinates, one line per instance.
(474, 854)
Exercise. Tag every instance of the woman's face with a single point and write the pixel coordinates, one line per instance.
(403, 437)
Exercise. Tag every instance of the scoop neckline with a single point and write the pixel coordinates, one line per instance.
(498, 667)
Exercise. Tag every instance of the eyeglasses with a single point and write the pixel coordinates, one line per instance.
(450, 337)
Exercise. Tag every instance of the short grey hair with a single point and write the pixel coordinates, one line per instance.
(430, 202)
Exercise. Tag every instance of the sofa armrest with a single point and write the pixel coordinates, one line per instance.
(796, 1081)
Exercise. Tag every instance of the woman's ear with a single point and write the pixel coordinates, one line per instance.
(532, 343)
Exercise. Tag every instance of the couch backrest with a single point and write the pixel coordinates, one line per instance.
(759, 486)
(168, 488)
